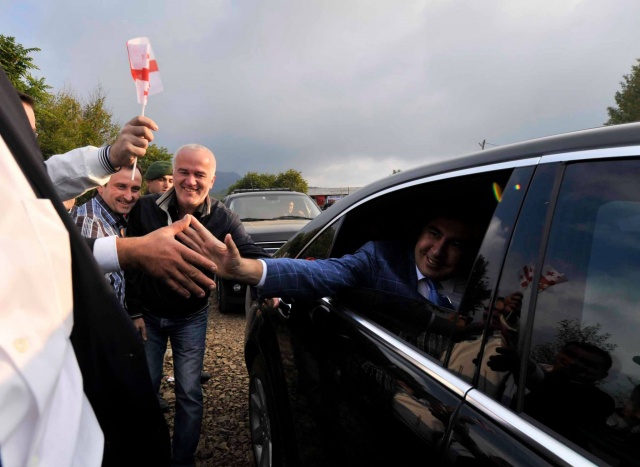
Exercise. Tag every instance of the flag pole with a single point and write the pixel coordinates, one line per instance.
(133, 172)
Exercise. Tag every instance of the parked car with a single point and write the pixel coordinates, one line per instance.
(271, 217)
(347, 379)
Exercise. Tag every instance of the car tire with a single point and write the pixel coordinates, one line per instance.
(266, 438)
(223, 303)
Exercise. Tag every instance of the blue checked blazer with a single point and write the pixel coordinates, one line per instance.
(384, 265)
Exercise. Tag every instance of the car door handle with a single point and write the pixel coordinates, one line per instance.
(284, 309)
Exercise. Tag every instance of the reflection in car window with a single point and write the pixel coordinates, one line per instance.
(584, 371)
(426, 326)
(509, 308)
(321, 246)
(484, 276)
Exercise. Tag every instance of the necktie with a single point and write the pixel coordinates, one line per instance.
(434, 296)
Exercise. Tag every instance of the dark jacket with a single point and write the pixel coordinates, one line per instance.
(144, 294)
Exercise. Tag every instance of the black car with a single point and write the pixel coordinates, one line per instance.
(348, 379)
(271, 217)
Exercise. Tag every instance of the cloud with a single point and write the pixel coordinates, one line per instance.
(344, 92)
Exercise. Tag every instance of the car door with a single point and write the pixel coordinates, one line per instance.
(364, 371)
(559, 372)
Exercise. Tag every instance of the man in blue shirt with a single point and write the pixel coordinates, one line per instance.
(105, 214)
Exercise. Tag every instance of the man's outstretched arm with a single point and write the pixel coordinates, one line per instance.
(228, 262)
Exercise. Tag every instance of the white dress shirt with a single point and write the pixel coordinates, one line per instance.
(45, 417)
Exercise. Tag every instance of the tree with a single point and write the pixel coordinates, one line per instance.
(570, 330)
(154, 153)
(477, 293)
(16, 62)
(628, 99)
(65, 122)
(291, 179)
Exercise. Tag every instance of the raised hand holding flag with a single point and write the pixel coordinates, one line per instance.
(145, 73)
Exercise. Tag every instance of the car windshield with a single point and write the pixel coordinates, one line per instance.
(257, 207)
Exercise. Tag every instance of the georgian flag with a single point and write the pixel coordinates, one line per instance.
(144, 68)
(550, 276)
(526, 276)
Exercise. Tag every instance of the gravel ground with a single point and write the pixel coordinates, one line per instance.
(225, 439)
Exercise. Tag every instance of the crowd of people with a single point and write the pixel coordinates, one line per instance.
(173, 308)
(81, 358)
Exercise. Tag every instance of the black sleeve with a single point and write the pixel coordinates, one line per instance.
(90, 242)
(133, 278)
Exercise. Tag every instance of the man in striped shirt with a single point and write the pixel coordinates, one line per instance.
(105, 214)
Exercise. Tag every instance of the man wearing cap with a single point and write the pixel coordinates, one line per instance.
(159, 177)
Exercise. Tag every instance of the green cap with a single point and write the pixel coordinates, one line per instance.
(158, 169)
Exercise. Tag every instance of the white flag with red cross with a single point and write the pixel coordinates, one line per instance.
(144, 69)
(550, 276)
(526, 276)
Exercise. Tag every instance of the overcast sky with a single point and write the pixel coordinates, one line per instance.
(343, 91)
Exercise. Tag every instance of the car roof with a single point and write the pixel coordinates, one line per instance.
(602, 137)
(258, 192)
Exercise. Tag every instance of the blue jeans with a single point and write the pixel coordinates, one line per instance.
(188, 338)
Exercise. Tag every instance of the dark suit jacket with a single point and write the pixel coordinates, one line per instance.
(385, 266)
(108, 348)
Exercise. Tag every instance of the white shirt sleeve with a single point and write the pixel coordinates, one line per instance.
(106, 254)
(264, 274)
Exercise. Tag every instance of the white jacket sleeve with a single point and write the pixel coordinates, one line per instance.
(79, 170)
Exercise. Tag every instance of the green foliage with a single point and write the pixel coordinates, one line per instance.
(477, 293)
(290, 179)
(570, 330)
(65, 122)
(154, 153)
(17, 64)
(628, 99)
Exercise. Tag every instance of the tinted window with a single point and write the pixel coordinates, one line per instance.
(465, 353)
(396, 219)
(584, 372)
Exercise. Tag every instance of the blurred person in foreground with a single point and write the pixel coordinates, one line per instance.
(74, 385)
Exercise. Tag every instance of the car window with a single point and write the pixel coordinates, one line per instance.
(478, 326)
(271, 206)
(395, 221)
(583, 375)
(502, 321)
(321, 246)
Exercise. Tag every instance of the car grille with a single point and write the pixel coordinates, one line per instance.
(270, 247)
